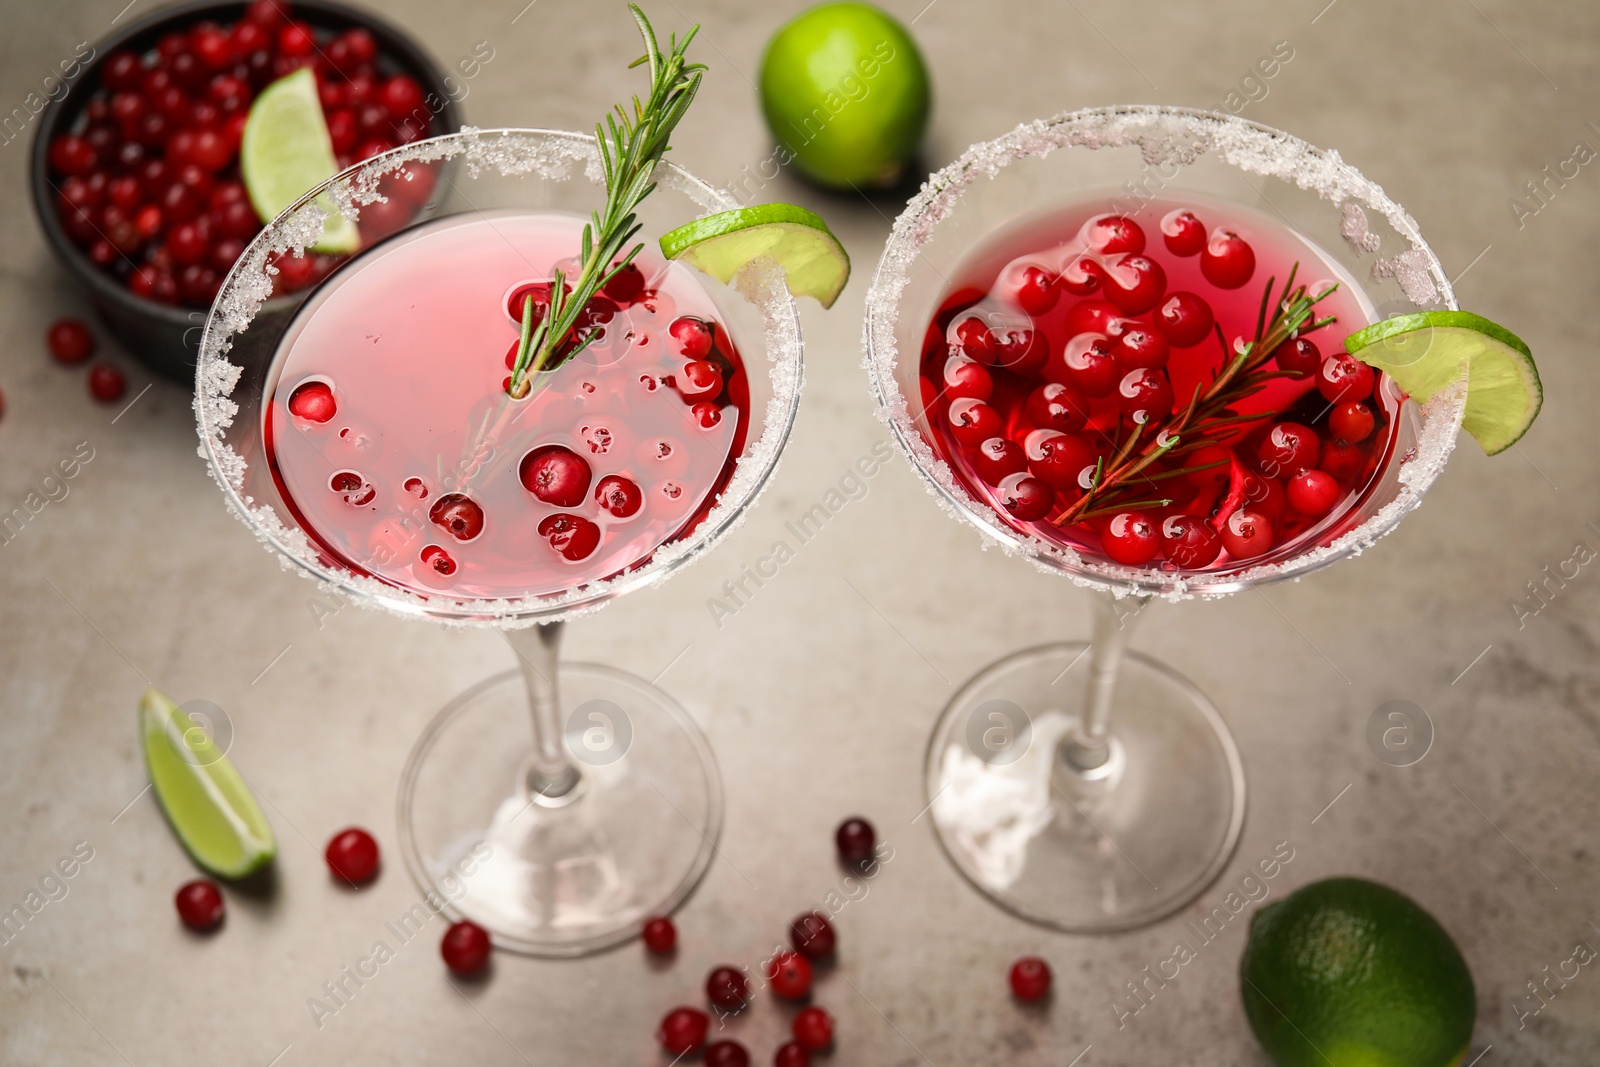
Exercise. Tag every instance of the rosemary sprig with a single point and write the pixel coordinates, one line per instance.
(1210, 410)
(630, 147)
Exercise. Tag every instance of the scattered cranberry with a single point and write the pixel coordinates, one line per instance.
(1343, 378)
(812, 935)
(727, 988)
(465, 948)
(1113, 234)
(1087, 363)
(313, 402)
(1183, 232)
(200, 905)
(726, 1054)
(1247, 534)
(70, 341)
(556, 475)
(353, 856)
(813, 1029)
(107, 383)
(1189, 542)
(855, 840)
(791, 1054)
(1034, 290)
(618, 495)
(660, 935)
(1228, 260)
(1313, 492)
(1185, 318)
(693, 336)
(1030, 978)
(1131, 539)
(1298, 355)
(1288, 449)
(573, 536)
(1352, 422)
(789, 973)
(683, 1030)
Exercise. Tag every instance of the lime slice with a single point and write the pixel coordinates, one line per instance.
(813, 260)
(1424, 353)
(207, 803)
(286, 152)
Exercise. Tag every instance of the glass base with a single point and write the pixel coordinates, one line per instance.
(1112, 847)
(567, 875)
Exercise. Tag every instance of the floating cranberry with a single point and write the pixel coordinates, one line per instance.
(1131, 539)
(1092, 316)
(683, 1030)
(791, 1054)
(1034, 290)
(1247, 534)
(573, 536)
(706, 414)
(967, 378)
(199, 905)
(1352, 422)
(1135, 284)
(1228, 260)
(1141, 346)
(1054, 406)
(1025, 498)
(727, 988)
(1264, 495)
(1298, 355)
(1083, 276)
(437, 558)
(1185, 319)
(459, 515)
(1313, 493)
(997, 458)
(354, 488)
(106, 383)
(465, 948)
(1189, 542)
(625, 285)
(1146, 392)
(1289, 448)
(789, 974)
(813, 936)
(352, 854)
(726, 1054)
(618, 495)
(70, 341)
(1087, 363)
(692, 335)
(974, 338)
(700, 379)
(660, 935)
(1058, 459)
(813, 1029)
(855, 839)
(1344, 379)
(1030, 978)
(973, 422)
(1183, 232)
(313, 401)
(1113, 234)
(556, 475)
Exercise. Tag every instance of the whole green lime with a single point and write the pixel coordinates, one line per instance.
(1348, 973)
(845, 93)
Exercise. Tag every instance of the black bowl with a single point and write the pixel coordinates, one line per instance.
(164, 336)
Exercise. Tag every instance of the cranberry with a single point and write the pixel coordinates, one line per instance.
(813, 1029)
(973, 422)
(1130, 538)
(556, 475)
(789, 974)
(1087, 362)
(683, 1030)
(296, 39)
(106, 383)
(1247, 534)
(211, 45)
(1113, 234)
(699, 380)
(1343, 378)
(1215, 461)
(1298, 355)
(102, 253)
(726, 1054)
(1034, 290)
(1053, 406)
(238, 219)
(1030, 978)
(295, 271)
(855, 839)
(1184, 234)
(813, 936)
(1289, 448)
(200, 905)
(1189, 542)
(342, 130)
(401, 95)
(437, 558)
(974, 338)
(71, 154)
(997, 458)
(693, 336)
(1140, 346)
(127, 109)
(618, 495)
(1058, 459)
(791, 1054)
(660, 935)
(1313, 493)
(706, 414)
(313, 402)
(198, 283)
(1352, 422)
(1083, 276)
(1264, 495)
(966, 378)
(1146, 391)
(727, 988)
(363, 48)
(625, 285)
(1135, 284)
(122, 70)
(353, 856)
(248, 38)
(459, 515)
(70, 341)
(573, 536)
(1228, 261)
(1020, 351)
(1026, 498)
(1186, 319)
(225, 253)
(266, 13)
(465, 948)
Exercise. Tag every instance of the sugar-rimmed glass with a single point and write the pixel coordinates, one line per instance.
(561, 840)
(1110, 800)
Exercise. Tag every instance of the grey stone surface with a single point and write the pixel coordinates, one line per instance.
(818, 699)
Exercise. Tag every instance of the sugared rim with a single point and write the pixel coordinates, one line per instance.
(547, 154)
(1163, 134)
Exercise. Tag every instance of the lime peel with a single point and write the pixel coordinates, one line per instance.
(814, 263)
(205, 800)
(1425, 353)
(286, 151)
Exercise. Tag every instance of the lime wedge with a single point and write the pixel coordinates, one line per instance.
(207, 803)
(813, 260)
(286, 152)
(1425, 352)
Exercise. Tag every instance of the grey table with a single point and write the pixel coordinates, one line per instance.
(819, 695)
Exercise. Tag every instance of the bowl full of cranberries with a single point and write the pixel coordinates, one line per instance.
(135, 169)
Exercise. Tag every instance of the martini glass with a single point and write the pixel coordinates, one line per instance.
(557, 804)
(1081, 785)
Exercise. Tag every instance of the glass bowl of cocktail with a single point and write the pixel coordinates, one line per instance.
(1113, 342)
(402, 437)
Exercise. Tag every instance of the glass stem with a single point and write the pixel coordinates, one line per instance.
(1113, 629)
(538, 650)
